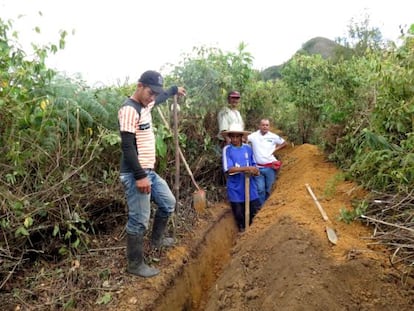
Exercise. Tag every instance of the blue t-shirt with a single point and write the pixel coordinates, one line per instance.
(238, 157)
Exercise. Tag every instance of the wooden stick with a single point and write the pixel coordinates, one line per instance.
(177, 156)
(247, 199)
(332, 237)
(11, 272)
(106, 249)
(387, 223)
(187, 167)
(321, 210)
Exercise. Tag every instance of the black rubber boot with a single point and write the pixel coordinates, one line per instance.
(135, 255)
(158, 229)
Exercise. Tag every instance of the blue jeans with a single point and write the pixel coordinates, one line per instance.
(264, 182)
(139, 204)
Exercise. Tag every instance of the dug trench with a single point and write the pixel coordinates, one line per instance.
(284, 261)
(189, 269)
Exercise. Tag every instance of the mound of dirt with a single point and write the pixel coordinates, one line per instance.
(285, 261)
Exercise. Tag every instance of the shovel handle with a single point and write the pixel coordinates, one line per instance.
(247, 199)
(187, 167)
(318, 205)
(177, 146)
(332, 237)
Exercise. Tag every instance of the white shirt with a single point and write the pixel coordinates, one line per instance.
(227, 117)
(264, 146)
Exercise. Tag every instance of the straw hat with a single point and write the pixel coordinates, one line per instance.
(235, 129)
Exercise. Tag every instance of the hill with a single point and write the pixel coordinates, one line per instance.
(327, 48)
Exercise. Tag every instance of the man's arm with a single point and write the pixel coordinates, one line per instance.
(282, 145)
(180, 91)
(244, 169)
(131, 155)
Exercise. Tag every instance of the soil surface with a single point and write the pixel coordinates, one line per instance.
(285, 261)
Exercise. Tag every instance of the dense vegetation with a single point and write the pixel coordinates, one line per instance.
(59, 146)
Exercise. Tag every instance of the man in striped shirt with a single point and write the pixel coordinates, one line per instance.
(141, 183)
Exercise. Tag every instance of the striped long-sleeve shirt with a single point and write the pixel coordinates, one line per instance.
(139, 153)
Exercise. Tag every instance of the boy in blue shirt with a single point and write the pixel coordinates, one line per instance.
(238, 160)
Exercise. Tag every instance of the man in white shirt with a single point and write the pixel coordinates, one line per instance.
(265, 144)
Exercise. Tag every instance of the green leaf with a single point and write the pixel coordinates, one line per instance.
(71, 303)
(21, 231)
(28, 222)
(412, 29)
(76, 243)
(63, 250)
(161, 147)
(5, 224)
(55, 230)
(105, 299)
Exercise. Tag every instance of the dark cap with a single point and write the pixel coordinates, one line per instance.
(234, 94)
(154, 80)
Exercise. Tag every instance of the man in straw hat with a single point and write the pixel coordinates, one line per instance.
(238, 160)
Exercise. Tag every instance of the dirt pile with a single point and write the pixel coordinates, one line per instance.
(285, 261)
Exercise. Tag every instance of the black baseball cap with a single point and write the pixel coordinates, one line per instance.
(153, 80)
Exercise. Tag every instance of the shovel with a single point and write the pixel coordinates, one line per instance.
(247, 199)
(329, 231)
(199, 196)
(177, 157)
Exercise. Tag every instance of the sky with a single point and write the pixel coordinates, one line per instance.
(111, 42)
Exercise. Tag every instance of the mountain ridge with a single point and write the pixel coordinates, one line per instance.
(327, 48)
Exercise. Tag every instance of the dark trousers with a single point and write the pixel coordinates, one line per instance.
(238, 209)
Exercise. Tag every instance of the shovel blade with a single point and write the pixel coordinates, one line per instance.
(199, 201)
(331, 235)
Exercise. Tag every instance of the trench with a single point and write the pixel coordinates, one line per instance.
(190, 287)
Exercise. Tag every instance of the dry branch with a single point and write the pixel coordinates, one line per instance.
(393, 218)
